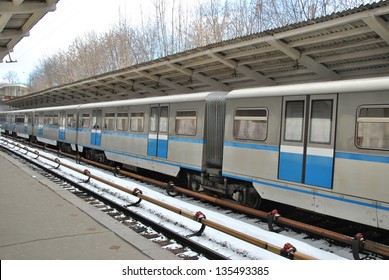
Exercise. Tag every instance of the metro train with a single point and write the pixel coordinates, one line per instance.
(321, 146)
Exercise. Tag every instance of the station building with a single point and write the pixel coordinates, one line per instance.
(10, 91)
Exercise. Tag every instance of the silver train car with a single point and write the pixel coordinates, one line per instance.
(319, 146)
(163, 134)
(322, 146)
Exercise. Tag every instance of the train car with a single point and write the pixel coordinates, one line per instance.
(163, 134)
(322, 146)
(17, 123)
(4, 123)
(56, 126)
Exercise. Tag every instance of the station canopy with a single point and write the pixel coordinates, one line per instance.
(17, 17)
(346, 45)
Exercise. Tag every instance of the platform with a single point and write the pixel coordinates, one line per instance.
(41, 221)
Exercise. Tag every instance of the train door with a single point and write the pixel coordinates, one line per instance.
(158, 131)
(97, 122)
(61, 124)
(25, 128)
(308, 137)
(41, 122)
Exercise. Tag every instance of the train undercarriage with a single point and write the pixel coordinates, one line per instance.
(241, 192)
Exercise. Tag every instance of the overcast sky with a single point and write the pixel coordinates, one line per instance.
(58, 29)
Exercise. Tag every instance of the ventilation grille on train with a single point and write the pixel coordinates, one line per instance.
(215, 120)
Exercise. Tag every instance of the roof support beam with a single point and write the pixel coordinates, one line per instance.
(11, 34)
(354, 55)
(209, 81)
(4, 18)
(379, 26)
(178, 87)
(143, 87)
(308, 62)
(331, 36)
(149, 89)
(242, 69)
(61, 95)
(26, 8)
(17, 2)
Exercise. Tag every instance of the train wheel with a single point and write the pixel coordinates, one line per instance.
(195, 186)
(253, 199)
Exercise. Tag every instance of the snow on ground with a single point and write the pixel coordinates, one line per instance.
(235, 249)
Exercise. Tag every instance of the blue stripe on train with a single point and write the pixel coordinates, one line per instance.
(361, 157)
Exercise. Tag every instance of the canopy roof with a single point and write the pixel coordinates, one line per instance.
(345, 45)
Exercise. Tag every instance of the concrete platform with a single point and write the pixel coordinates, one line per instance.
(41, 221)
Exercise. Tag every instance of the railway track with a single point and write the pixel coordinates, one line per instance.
(274, 221)
(177, 244)
(133, 222)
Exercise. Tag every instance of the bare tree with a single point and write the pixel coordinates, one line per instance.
(211, 22)
(11, 77)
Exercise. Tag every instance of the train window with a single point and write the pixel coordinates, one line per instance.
(137, 121)
(122, 122)
(373, 127)
(19, 119)
(71, 120)
(186, 122)
(251, 124)
(163, 119)
(153, 119)
(294, 121)
(46, 119)
(55, 119)
(85, 121)
(321, 120)
(50, 120)
(109, 121)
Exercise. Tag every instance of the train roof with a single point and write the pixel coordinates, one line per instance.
(58, 108)
(15, 112)
(343, 86)
(151, 100)
(141, 101)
